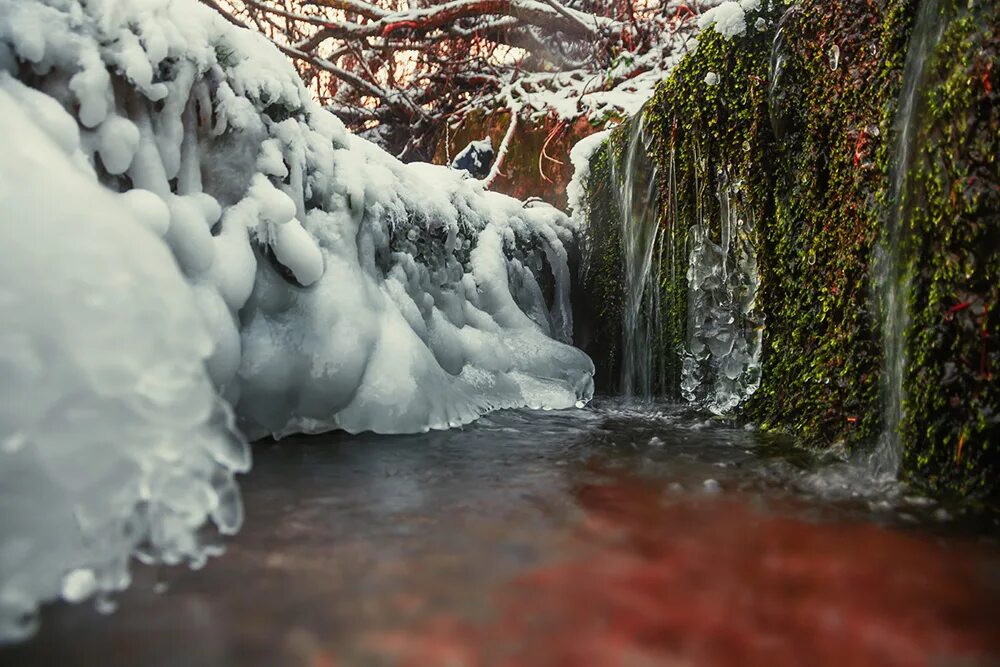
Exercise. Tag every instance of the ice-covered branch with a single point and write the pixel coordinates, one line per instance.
(502, 151)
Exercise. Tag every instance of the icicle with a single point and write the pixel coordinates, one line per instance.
(169, 121)
(721, 366)
(189, 174)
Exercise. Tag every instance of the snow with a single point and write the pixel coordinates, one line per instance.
(579, 156)
(205, 235)
(604, 97)
(730, 18)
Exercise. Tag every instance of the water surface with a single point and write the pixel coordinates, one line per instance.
(621, 534)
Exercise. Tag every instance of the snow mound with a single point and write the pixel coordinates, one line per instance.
(193, 210)
(112, 438)
(342, 288)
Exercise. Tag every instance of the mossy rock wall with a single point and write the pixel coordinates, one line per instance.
(803, 115)
(700, 133)
(952, 399)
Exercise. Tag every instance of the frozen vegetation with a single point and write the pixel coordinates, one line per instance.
(721, 359)
(720, 355)
(185, 231)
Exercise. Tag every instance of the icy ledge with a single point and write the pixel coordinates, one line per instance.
(184, 228)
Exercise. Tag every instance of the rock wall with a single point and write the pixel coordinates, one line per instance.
(796, 121)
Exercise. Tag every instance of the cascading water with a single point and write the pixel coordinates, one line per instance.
(891, 273)
(636, 175)
(721, 366)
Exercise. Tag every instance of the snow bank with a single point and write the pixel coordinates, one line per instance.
(112, 439)
(333, 278)
(580, 155)
(325, 285)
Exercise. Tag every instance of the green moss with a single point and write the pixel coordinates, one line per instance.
(812, 141)
(822, 351)
(599, 305)
(951, 425)
(699, 132)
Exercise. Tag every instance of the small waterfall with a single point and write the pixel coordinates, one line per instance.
(721, 366)
(636, 175)
(891, 273)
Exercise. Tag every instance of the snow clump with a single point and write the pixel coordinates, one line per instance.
(730, 18)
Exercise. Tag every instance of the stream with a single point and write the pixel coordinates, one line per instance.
(625, 533)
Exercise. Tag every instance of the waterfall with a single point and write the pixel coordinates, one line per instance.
(891, 272)
(642, 322)
(721, 365)
(720, 346)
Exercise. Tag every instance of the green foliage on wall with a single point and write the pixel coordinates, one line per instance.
(803, 118)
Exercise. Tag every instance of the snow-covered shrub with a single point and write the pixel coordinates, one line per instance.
(325, 284)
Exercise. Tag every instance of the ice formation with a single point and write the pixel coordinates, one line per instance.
(194, 210)
(112, 438)
(721, 364)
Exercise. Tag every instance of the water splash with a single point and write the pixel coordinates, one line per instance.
(721, 365)
(891, 273)
(636, 175)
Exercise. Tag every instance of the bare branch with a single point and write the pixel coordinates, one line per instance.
(351, 6)
(591, 29)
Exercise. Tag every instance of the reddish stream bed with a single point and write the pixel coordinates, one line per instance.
(616, 535)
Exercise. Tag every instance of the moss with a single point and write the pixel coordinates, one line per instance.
(811, 137)
(599, 302)
(951, 426)
(699, 132)
(822, 350)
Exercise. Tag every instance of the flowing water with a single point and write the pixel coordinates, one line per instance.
(892, 274)
(625, 533)
(720, 358)
(640, 232)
